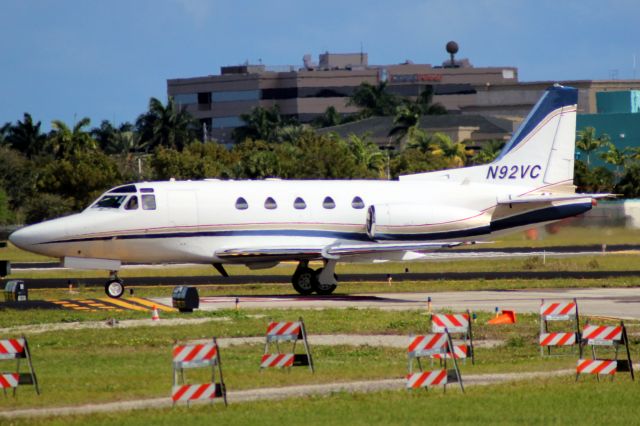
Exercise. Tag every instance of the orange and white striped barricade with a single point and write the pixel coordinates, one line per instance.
(286, 332)
(558, 312)
(427, 346)
(459, 324)
(197, 355)
(17, 349)
(605, 336)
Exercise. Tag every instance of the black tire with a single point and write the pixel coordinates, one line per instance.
(114, 288)
(304, 281)
(324, 289)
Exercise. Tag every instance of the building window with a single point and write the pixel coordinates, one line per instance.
(328, 203)
(270, 204)
(186, 98)
(220, 122)
(241, 204)
(148, 202)
(234, 96)
(299, 204)
(357, 203)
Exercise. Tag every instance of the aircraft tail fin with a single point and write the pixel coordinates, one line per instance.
(540, 153)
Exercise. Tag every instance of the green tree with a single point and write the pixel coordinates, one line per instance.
(18, 176)
(589, 143)
(65, 142)
(6, 216)
(426, 104)
(629, 184)
(80, 176)
(454, 153)
(592, 179)
(615, 157)
(331, 117)
(25, 136)
(406, 120)
(489, 152)
(171, 126)
(196, 161)
(260, 124)
(367, 155)
(373, 100)
(256, 159)
(47, 206)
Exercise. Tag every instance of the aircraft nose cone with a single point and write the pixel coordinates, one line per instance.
(22, 238)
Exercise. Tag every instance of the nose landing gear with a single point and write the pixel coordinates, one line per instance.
(114, 286)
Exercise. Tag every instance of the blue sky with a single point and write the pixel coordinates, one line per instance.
(67, 59)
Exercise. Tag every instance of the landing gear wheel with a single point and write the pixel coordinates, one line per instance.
(324, 289)
(304, 281)
(114, 288)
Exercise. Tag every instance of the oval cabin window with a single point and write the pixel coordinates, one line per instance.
(241, 204)
(299, 204)
(357, 203)
(270, 204)
(328, 203)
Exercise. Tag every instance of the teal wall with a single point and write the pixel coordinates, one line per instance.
(618, 116)
(615, 102)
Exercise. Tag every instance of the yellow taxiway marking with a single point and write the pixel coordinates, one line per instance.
(151, 304)
(124, 304)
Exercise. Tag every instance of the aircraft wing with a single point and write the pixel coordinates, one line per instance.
(334, 251)
(547, 198)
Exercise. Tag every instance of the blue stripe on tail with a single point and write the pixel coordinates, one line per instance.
(555, 97)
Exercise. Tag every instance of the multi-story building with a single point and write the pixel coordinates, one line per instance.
(307, 92)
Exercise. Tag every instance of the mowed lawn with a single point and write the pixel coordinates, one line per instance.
(558, 401)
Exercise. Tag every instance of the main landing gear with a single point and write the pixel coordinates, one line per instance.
(322, 281)
(114, 286)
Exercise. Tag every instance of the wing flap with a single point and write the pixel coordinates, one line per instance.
(334, 251)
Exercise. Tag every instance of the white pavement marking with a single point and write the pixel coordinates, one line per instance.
(621, 303)
(273, 393)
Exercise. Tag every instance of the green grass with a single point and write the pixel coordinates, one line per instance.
(100, 365)
(546, 402)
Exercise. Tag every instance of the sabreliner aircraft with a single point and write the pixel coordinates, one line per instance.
(261, 223)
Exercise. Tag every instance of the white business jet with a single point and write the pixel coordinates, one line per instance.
(261, 223)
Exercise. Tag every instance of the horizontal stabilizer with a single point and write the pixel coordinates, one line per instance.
(547, 198)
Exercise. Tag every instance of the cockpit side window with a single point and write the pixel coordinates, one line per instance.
(148, 202)
(110, 202)
(132, 204)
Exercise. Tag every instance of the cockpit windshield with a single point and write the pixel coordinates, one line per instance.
(110, 202)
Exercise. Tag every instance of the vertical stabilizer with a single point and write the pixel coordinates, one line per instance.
(540, 153)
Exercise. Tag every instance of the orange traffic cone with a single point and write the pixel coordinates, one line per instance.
(154, 314)
(506, 317)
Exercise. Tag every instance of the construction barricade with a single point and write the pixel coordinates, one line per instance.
(428, 346)
(286, 332)
(559, 311)
(605, 336)
(17, 349)
(460, 325)
(197, 356)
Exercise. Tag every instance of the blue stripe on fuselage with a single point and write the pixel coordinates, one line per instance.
(532, 217)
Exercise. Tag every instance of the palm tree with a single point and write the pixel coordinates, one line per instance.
(615, 157)
(367, 154)
(588, 142)
(25, 136)
(330, 118)
(373, 100)
(455, 153)
(425, 102)
(169, 126)
(260, 124)
(407, 118)
(489, 152)
(64, 141)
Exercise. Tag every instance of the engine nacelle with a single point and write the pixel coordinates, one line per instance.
(406, 221)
